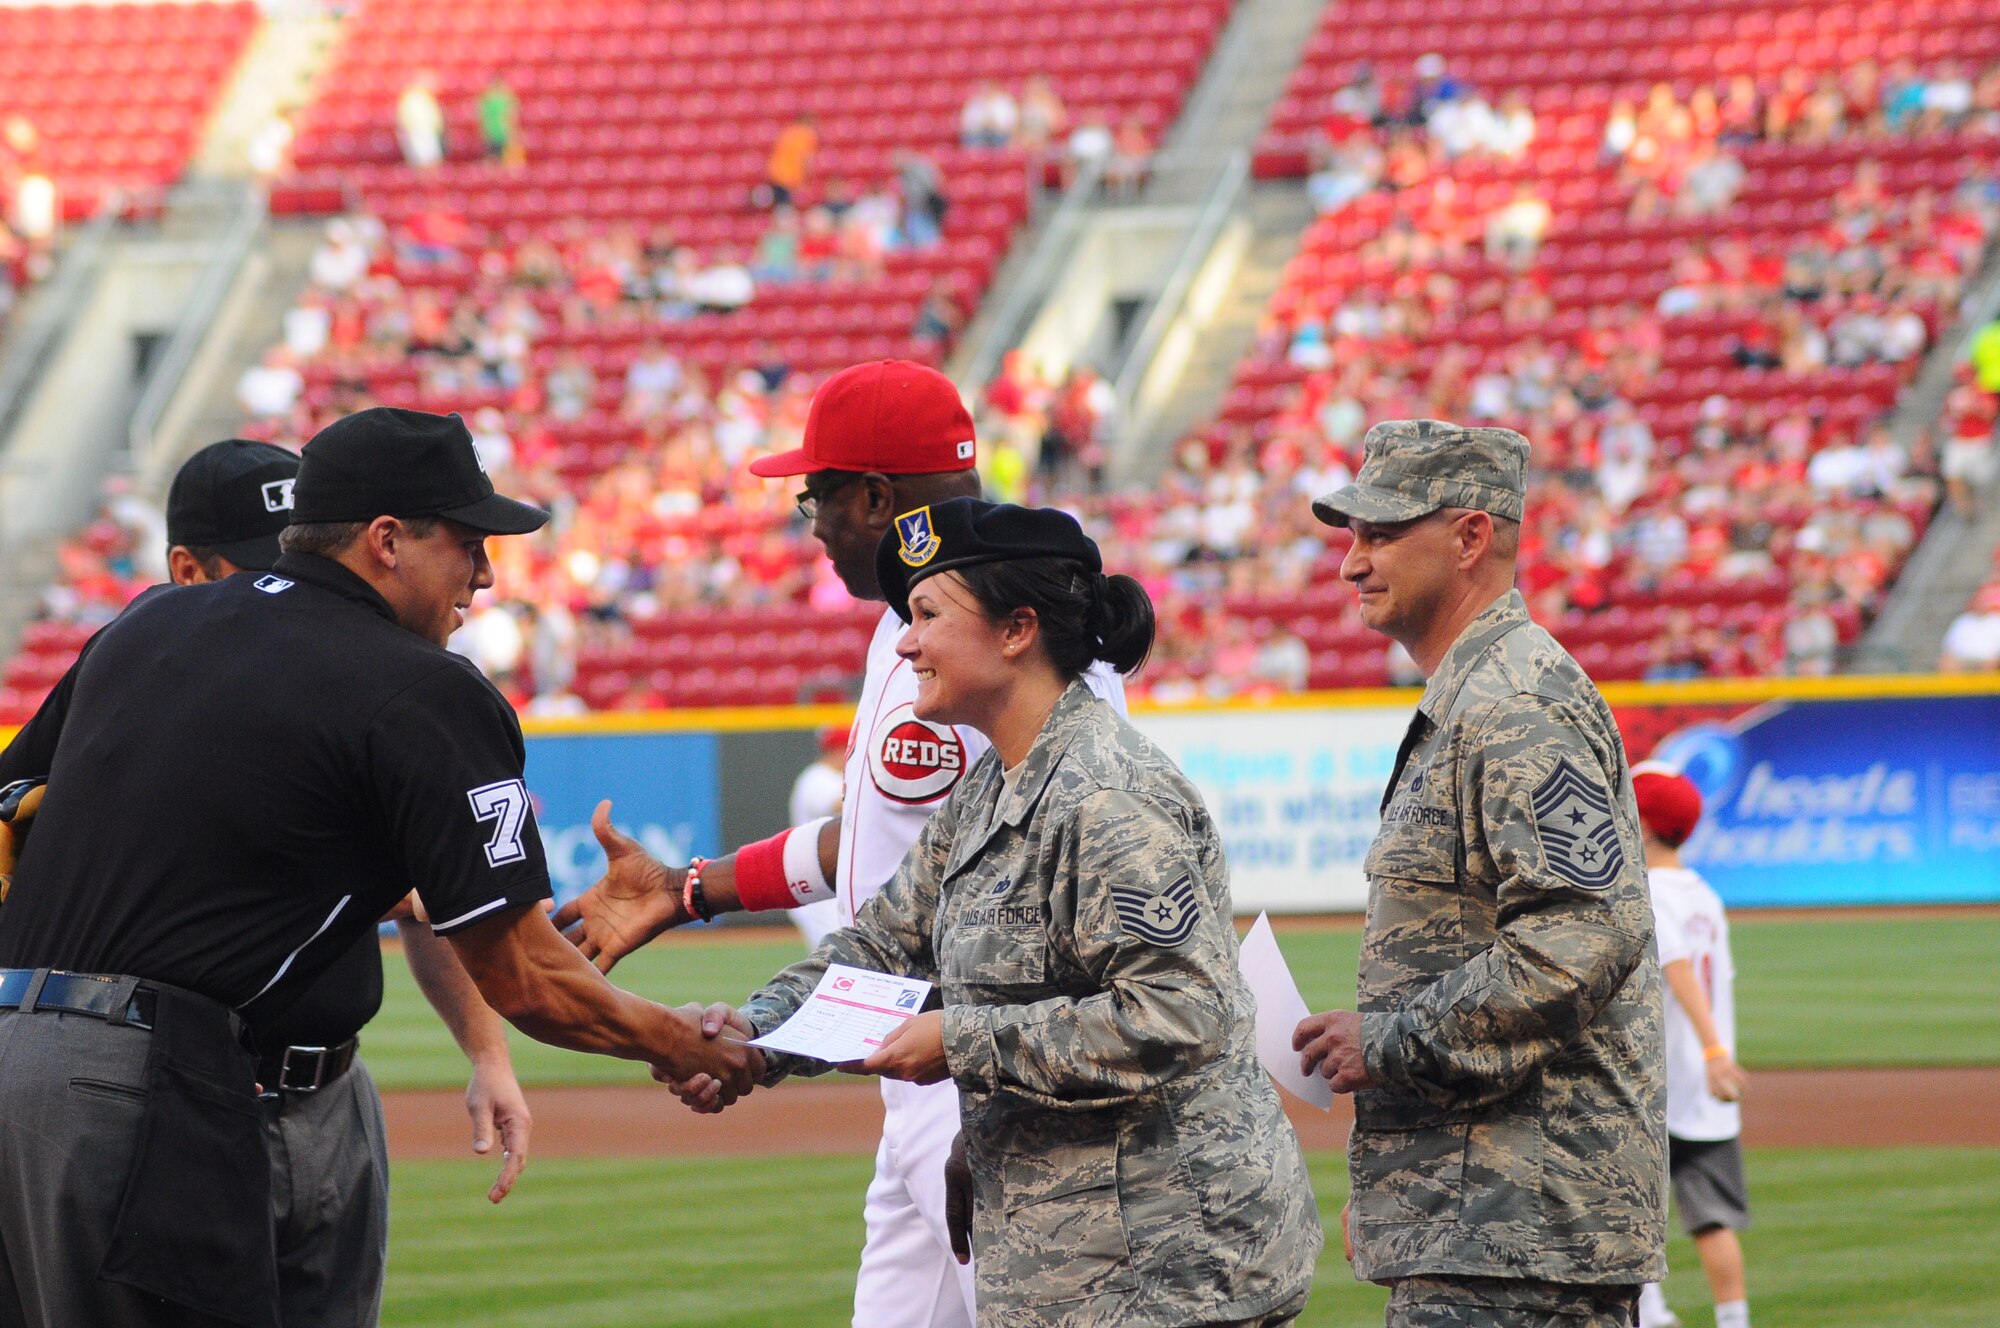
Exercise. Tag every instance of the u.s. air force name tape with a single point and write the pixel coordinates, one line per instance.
(1165, 919)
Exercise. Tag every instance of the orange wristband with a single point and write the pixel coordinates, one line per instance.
(1714, 1053)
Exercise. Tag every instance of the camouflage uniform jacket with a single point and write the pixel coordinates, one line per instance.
(1131, 1162)
(1509, 992)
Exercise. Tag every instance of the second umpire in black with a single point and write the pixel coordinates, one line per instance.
(322, 1113)
(250, 774)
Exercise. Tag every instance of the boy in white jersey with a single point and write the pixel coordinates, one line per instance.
(1704, 1083)
(881, 440)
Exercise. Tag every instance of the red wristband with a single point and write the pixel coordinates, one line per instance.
(760, 874)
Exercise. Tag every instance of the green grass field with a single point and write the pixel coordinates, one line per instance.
(1877, 1238)
(1890, 1238)
(1808, 993)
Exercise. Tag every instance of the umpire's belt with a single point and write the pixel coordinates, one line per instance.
(100, 995)
(305, 1069)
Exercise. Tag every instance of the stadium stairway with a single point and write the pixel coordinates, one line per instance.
(1956, 555)
(275, 76)
(268, 288)
(1279, 213)
(1225, 113)
(1251, 67)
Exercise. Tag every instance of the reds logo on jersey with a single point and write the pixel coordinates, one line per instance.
(911, 760)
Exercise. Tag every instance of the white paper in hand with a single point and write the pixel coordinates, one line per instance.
(1279, 1009)
(848, 1015)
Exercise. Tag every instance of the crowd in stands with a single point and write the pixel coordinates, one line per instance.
(1972, 420)
(1825, 510)
(468, 315)
(421, 122)
(30, 210)
(1045, 438)
(1443, 293)
(1039, 123)
(674, 522)
(1716, 489)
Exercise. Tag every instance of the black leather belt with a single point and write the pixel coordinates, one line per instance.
(305, 1069)
(100, 995)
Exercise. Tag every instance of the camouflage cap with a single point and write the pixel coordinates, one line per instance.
(1411, 468)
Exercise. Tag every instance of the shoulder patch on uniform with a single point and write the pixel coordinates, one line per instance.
(1165, 919)
(1579, 834)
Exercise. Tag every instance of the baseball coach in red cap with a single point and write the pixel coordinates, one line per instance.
(881, 439)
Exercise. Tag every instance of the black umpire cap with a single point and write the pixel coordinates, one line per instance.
(385, 461)
(233, 497)
(963, 531)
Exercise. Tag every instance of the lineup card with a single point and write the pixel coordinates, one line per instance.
(848, 1015)
(1279, 1009)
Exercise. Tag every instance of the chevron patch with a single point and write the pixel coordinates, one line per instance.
(1579, 836)
(1165, 919)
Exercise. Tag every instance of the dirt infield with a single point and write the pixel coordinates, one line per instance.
(1787, 1108)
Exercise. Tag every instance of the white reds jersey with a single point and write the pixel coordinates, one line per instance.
(901, 768)
(1690, 923)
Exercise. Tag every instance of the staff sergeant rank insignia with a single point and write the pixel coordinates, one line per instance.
(1165, 919)
(919, 542)
(1573, 817)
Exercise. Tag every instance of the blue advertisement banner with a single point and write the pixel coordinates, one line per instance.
(663, 788)
(1816, 800)
(1887, 801)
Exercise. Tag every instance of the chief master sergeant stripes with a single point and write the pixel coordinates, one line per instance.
(251, 773)
(1508, 1155)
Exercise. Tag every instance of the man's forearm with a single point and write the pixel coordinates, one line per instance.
(718, 879)
(538, 982)
(1474, 1035)
(480, 1033)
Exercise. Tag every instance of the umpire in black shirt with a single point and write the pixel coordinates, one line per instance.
(322, 1113)
(250, 774)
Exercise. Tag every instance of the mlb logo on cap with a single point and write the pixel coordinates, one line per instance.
(231, 499)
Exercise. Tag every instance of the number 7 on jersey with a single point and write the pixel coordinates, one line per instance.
(505, 803)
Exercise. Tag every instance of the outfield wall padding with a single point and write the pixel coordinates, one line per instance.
(1837, 791)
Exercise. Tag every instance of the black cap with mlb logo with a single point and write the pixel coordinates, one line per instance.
(961, 532)
(385, 461)
(233, 497)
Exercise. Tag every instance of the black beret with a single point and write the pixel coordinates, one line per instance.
(963, 531)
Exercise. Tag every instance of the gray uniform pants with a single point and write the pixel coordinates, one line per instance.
(330, 1199)
(1505, 1302)
(72, 1092)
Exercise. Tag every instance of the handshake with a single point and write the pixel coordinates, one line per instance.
(704, 1053)
(719, 1066)
(913, 1052)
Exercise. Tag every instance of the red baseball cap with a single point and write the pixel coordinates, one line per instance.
(892, 416)
(1669, 803)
